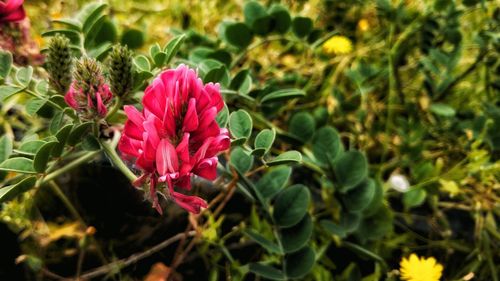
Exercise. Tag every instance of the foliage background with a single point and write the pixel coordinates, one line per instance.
(418, 96)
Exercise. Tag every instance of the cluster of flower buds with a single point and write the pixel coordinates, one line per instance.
(59, 63)
(89, 94)
(84, 84)
(120, 71)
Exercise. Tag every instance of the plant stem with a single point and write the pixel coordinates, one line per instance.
(113, 156)
(115, 108)
(85, 158)
(57, 190)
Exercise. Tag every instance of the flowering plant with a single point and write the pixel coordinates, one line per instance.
(312, 140)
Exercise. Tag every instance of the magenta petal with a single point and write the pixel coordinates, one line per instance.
(191, 117)
(192, 204)
(207, 117)
(133, 115)
(17, 15)
(69, 98)
(101, 108)
(182, 148)
(207, 168)
(166, 158)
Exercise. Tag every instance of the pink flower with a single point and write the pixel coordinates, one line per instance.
(89, 101)
(11, 11)
(176, 135)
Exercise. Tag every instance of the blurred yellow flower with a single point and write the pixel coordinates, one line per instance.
(337, 45)
(363, 24)
(420, 269)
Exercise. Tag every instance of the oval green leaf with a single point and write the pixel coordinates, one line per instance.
(291, 205)
(240, 124)
(284, 94)
(300, 263)
(18, 164)
(10, 192)
(289, 157)
(297, 236)
(351, 168)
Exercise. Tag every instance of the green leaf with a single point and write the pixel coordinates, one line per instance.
(69, 23)
(333, 228)
(349, 222)
(360, 197)
(8, 91)
(42, 156)
(34, 105)
(72, 35)
(256, 17)
(160, 59)
(266, 271)
(217, 75)
(240, 124)
(77, 133)
(270, 246)
(93, 29)
(298, 264)
(302, 125)
(442, 109)
(414, 197)
(31, 147)
(291, 205)
(284, 94)
(289, 157)
(351, 168)
(57, 122)
(5, 148)
(326, 145)
(273, 181)
(241, 160)
(19, 165)
(12, 191)
(263, 142)
(238, 34)
(376, 202)
(89, 15)
(5, 64)
(90, 143)
(297, 236)
(173, 47)
(101, 51)
(223, 117)
(242, 82)
(375, 227)
(281, 18)
(133, 38)
(62, 136)
(142, 63)
(154, 50)
(42, 87)
(302, 26)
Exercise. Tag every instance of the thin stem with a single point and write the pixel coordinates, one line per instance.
(108, 268)
(115, 108)
(84, 159)
(113, 156)
(57, 190)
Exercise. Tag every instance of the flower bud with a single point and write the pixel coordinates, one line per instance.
(120, 71)
(59, 63)
(89, 94)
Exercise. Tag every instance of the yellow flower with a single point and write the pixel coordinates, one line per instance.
(420, 269)
(337, 45)
(363, 24)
